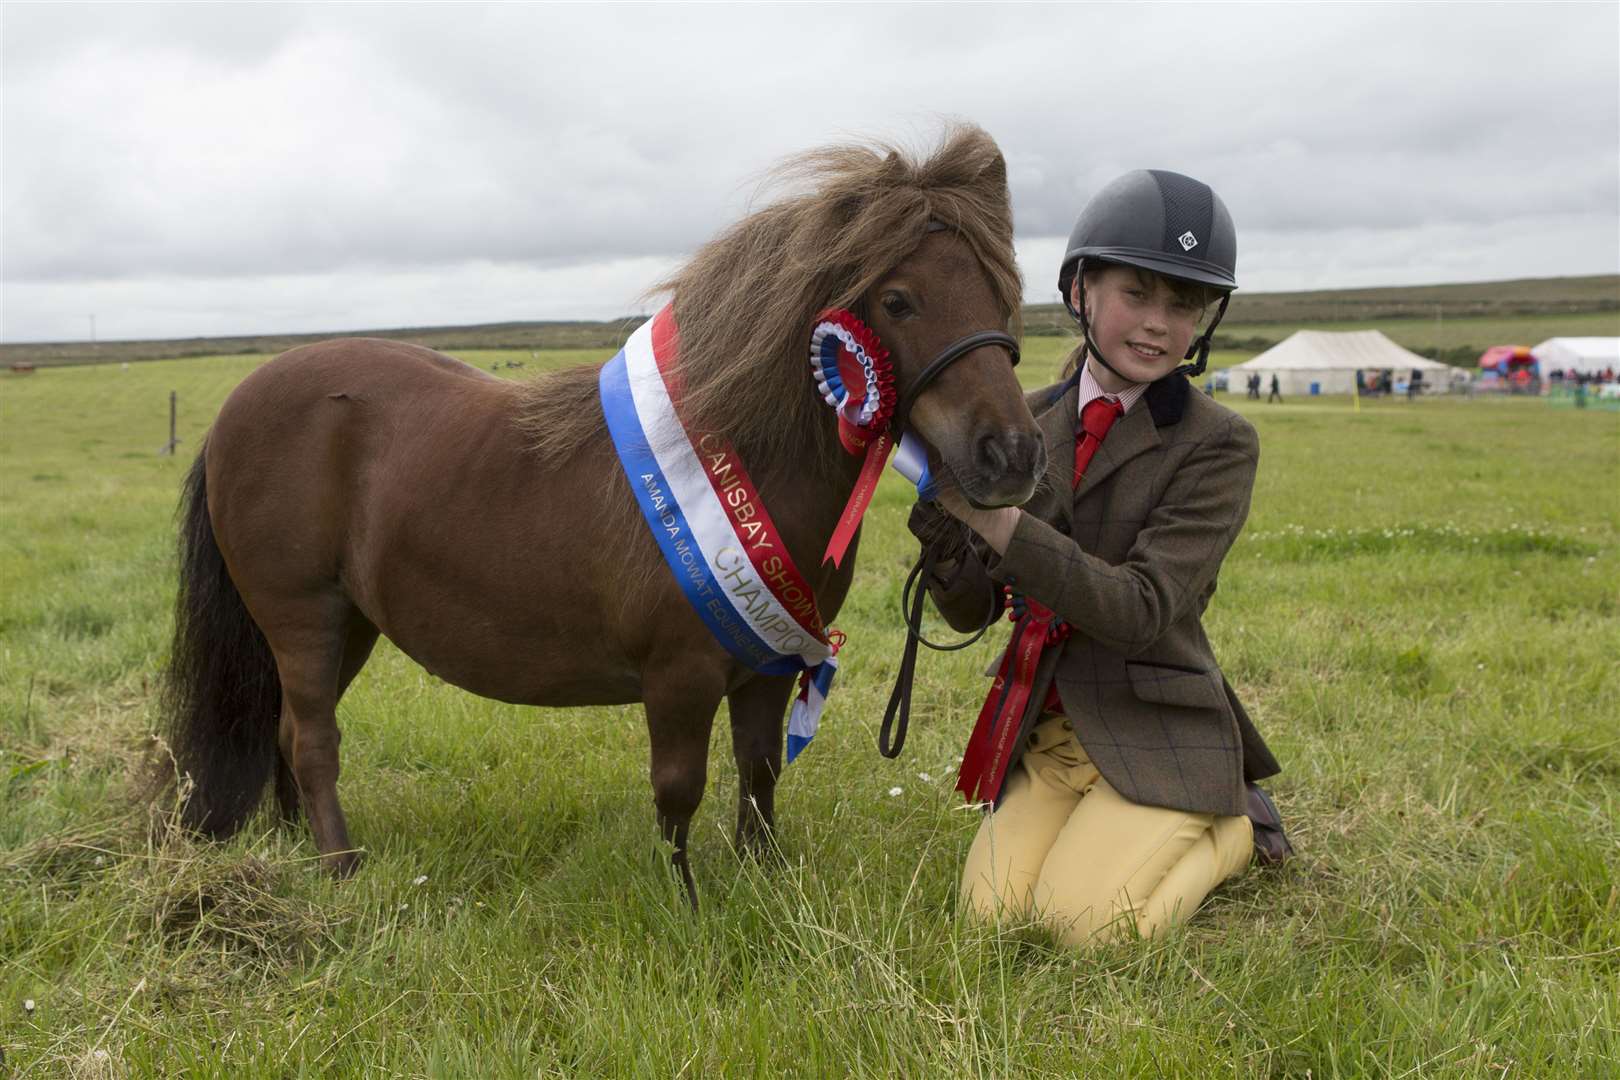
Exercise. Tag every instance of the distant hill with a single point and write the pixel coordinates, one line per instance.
(1254, 321)
(451, 339)
(1525, 296)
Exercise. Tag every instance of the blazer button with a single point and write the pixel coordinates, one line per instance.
(1068, 725)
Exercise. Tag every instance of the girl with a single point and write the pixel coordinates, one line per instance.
(1119, 762)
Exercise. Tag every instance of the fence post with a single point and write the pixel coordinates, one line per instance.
(168, 447)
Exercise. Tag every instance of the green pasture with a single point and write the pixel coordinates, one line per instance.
(1423, 617)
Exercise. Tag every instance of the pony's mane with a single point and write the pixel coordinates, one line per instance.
(745, 302)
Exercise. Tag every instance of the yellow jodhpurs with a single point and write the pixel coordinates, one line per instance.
(1065, 847)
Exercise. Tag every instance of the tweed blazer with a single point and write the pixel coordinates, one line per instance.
(1129, 560)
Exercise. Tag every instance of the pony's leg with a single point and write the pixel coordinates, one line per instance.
(680, 716)
(356, 651)
(309, 637)
(756, 742)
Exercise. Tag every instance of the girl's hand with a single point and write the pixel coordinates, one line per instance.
(996, 526)
(955, 505)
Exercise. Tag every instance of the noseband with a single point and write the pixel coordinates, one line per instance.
(949, 355)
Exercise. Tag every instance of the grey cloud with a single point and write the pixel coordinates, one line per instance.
(259, 143)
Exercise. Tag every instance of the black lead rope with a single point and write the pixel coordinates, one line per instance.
(911, 605)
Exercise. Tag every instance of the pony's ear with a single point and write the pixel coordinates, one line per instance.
(995, 171)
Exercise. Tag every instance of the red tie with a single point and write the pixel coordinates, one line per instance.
(988, 755)
(1095, 420)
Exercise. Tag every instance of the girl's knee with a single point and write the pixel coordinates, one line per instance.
(1234, 846)
(998, 878)
(992, 899)
(1139, 901)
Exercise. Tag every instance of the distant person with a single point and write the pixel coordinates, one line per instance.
(1121, 770)
(1254, 386)
(1414, 385)
(1276, 390)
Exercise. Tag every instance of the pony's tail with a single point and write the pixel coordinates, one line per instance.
(222, 696)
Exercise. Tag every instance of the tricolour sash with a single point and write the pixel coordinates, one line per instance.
(712, 527)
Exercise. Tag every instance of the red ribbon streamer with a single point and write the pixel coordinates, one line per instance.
(990, 749)
(877, 454)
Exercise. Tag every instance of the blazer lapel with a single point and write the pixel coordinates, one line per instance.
(1057, 429)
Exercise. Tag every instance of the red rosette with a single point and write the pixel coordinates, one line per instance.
(854, 375)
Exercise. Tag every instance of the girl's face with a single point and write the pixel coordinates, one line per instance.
(1137, 322)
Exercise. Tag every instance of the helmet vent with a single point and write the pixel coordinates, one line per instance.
(1189, 208)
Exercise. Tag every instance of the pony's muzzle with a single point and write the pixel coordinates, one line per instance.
(1007, 463)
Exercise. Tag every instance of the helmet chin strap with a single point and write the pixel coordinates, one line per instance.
(1200, 345)
(1079, 313)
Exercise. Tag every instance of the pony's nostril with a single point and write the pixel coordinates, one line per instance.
(1030, 456)
(1012, 453)
(1034, 460)
(991, 455)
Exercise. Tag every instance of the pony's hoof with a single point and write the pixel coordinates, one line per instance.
(343, 864)
(760, 847)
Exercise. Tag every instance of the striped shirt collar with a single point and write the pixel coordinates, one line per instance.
(1089, 389)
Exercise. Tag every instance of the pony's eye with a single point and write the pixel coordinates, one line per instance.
(895, 305)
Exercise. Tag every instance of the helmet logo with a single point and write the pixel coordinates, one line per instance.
(1188, 240)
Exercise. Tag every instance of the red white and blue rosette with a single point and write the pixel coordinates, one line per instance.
(854, 376)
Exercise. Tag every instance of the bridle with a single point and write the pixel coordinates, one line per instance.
(898, 714)
(949, 355)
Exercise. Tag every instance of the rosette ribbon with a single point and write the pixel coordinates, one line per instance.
(854, 376)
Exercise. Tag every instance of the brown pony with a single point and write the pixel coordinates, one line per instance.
(359, 486)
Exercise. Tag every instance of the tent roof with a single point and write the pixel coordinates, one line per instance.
(1319, 350)
(1585, 354)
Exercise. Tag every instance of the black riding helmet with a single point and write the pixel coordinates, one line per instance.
(1159, 221)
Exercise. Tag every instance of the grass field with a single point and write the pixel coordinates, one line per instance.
(1423, 617)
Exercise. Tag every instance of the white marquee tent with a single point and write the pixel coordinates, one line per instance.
(1330, 362)
(1588, 355)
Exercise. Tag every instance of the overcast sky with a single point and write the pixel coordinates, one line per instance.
(215, 169)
